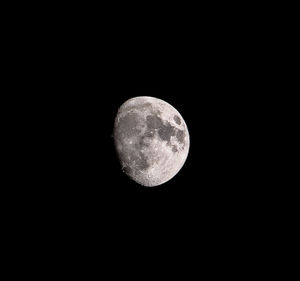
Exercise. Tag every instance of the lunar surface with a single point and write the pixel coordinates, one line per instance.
(151, 140)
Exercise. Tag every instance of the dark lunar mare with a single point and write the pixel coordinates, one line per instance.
(180, 136)
(153, 122)
(165, 131)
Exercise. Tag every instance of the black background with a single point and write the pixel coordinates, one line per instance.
(71, 208)
(213, 84)
(217, 175)
(212, 203)
(77, 76)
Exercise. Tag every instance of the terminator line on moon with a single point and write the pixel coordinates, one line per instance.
(151, 139)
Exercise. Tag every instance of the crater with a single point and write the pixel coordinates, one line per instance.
(127, 170)
(149, 134)
(177, 120)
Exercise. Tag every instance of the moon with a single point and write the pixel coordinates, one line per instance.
(151, 140)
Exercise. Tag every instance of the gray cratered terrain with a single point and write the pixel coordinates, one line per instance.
(151, 139)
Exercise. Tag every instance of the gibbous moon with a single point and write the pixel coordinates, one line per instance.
(151, 139)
